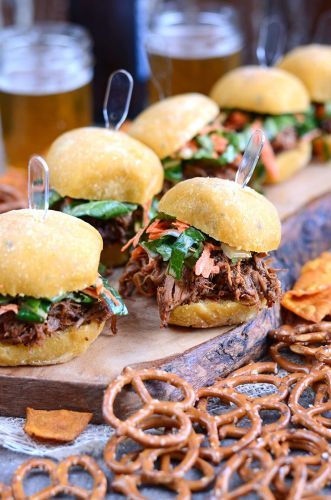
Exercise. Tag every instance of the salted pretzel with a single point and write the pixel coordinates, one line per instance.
(260, 378)
(5, 492)
(188, 459)
(305, 333)
(128, 486)
(59, 478)
(132, 425)
(253, 369)
(287, 364)
(260, 483)
(212, 450)
(311, 417)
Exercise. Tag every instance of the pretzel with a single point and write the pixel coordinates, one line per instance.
(320, 353)
(212, 451)
(90, 466)
(5, 492)
(128, 486)
(43, 464)
(134, 464)
(205, 468)
(226, 422)
(258, 484)
(189, 458)
(259, 378)
(253, 369)
(59, 478)
(289, 334)
(306, 416)
(130, 426)
(289, 366)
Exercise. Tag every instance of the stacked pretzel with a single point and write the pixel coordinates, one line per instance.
(174, 438)
(58, 474)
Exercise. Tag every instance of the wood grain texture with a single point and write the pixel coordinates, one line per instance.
(197, 355)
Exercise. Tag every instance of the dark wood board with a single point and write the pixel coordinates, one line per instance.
(199, 356)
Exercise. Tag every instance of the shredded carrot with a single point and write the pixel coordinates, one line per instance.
(268, 155)
(219, 143)
(205, 265)
(180, 226)
(111, 296)
(8, 308)
(133, 241)
(91, 292)
(137, 252)
(99, 285)
(98, 290)
(146, 209)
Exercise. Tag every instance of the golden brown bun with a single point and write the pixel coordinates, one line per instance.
(312, 64)
(262, 90)
(290, 162)
(169, 124)
(241, 218)
(46, 258)
(111, 255)
(207, 314)
(98, 164)
(58, 348)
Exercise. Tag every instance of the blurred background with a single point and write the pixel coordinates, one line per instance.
(56, 55)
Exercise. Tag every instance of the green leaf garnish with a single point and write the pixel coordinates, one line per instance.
(186, 242)
(119, 309)
(33, 310)
(99, 209)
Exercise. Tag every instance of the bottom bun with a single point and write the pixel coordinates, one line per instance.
(58, 348)
(291, 161)
(207, 313)
(111, 255)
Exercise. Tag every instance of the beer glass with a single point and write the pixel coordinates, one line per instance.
(45, 86)
(190, 44)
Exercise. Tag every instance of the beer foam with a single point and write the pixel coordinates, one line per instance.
(214, 37)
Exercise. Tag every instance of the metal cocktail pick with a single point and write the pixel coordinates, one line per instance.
(38, 184)
(250, 158)
(117, 98)
(271, 41)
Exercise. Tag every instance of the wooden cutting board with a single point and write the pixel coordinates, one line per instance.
(198, 355)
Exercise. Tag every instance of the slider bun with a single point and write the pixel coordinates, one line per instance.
(99, 164)
(46, 258)
(58, 348)
(241, 218)
(261, 90)
(208, 314)
(169, 124)
(312, 64)
(290, 162)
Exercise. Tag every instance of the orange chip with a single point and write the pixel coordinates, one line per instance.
(59, 426)
(311, 295)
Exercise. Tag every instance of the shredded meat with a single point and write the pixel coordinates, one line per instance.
(285, 140)
(205, 169)
(118, 229)
(60, 317)
(248, 281)
(325, 125)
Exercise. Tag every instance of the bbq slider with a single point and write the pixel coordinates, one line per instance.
(186, 133)
(203, 255)
(53, 303)
(107, 179)
(312, 64)
(253, 97)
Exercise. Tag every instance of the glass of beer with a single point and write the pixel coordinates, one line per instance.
(190, 44)
(45, 86)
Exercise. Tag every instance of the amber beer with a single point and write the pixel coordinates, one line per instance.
(45, 90)
(191, 57)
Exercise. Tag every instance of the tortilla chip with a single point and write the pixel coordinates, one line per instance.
(311, 295)
(60, 426)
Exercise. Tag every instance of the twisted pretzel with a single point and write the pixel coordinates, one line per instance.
(59, 478)
(289, 334)
(205, 468)
(5, 492)
(259, 484)
(260, 378)
(285, 363)
(306, 416)
(254, 369)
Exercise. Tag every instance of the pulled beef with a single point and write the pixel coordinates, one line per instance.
(248, 281)
(205, 169)
(285, 140)
(61, 316)
(118, 229)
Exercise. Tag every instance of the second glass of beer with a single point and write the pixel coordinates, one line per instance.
(45, 79)
(190, 44)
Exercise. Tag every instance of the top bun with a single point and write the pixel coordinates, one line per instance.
(239, 217)
(169, 124)
(262, 90)
(100, 164)
(312, 64)
(45, 258)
